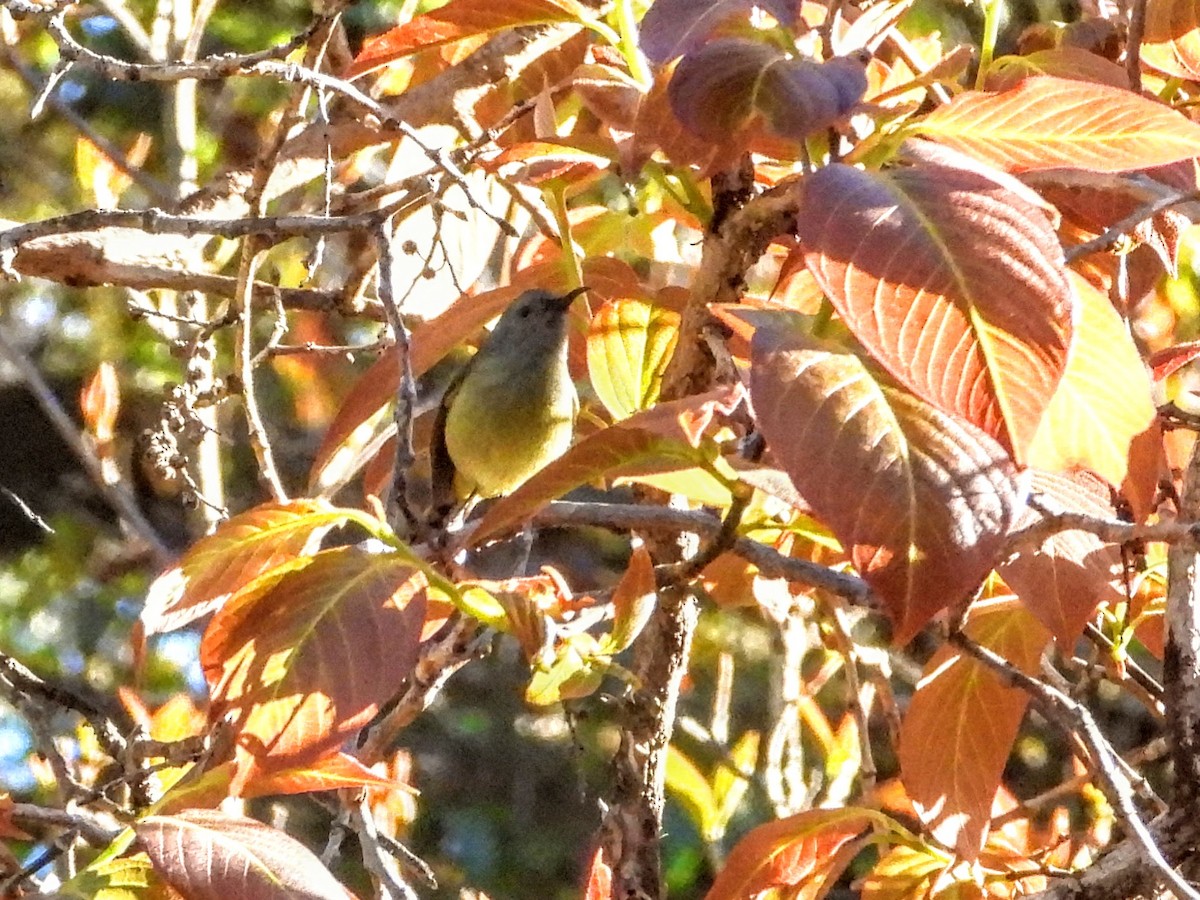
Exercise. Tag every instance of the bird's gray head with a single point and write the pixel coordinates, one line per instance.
(536, 318)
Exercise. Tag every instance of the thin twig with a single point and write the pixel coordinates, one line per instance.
(1125, 224)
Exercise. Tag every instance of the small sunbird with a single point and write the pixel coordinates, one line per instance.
(512, 410)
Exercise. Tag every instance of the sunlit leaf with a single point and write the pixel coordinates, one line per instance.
(459, 20)
(1171, 40)
(122, 878)
(100, 402)
(233, 558)
(334, 772)
(951, 755)
(304, 665)
(922, 501)
(801, 850)
(1103, 401)
(208, 855)
(578, 667)
(628, 346)
(1060, 123)
(953, 279)
(633, 601)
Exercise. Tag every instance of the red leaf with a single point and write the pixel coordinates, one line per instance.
(208, 855)
(1171, 359)
(953, 279)
(1059, 123)
(304, 665)
(330, 773)
(1073, 572)
(921, 501)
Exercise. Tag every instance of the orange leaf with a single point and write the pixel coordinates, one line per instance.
(1073, 572)
(801, 850)
(1059, 123)
(239, 556)
(953, 279)
(457, 21)
(305, 664)
(633, 601)
(922, 501)
(100, 401)
(1103, 401)
(1171, 41)
(599, 882)
(330, 773)
(961, 723)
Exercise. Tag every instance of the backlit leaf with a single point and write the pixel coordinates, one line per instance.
(1073, 572)
(1059, 123)
(961, 723)
(633, 601)
(233, 557)
(459, 20)
(1103, 401)
(953, 279)
(922, 501)
(801, 850)
(330, 773)
(304, 665)
(628, 346)
(208, 855)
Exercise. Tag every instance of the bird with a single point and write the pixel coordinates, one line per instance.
(512, 409)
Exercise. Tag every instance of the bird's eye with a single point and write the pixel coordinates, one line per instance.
(525, 312)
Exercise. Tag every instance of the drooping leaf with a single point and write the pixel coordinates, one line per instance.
(459, 20)
(922, 501)
(671, 28)
(233, 558)
(307, 663)
(1104, 400)
(718, 90)
(579, 665)
(208, 855)
(961, 723)
(1061, 62)
(665, 438)
(1060, 123)
(1073, 572)
(801, 850)
(1171, 40)
(953, 279)
(628, 346)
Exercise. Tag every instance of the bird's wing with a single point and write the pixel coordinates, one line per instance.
(443, 499)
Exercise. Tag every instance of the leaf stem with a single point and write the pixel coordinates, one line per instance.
(627, 26)
(991, 32)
